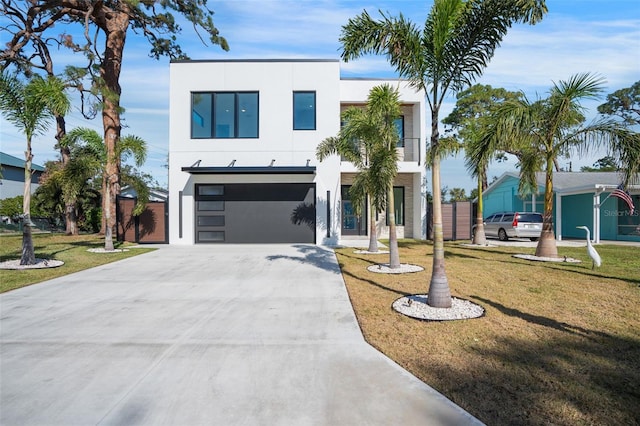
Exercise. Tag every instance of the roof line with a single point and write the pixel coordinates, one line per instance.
(187, 61)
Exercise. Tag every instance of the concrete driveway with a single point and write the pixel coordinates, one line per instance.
(202, 335)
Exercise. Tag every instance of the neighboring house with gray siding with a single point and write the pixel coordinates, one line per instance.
(12, 180)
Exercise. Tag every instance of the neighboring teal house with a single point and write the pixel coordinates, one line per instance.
(580, 198)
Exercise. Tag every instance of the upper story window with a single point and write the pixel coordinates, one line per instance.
(304, 110)
(224, 115)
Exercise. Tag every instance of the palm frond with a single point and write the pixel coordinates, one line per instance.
(530, 163)
(133, 146)
(397, 38)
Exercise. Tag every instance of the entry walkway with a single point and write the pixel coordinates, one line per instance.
(202, 335)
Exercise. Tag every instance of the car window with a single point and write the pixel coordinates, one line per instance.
(496, 218)
(489, 218)
(507, 218)
(530, 217)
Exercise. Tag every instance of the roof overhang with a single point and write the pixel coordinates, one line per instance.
(304, 170)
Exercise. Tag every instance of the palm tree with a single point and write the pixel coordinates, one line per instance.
(547, 128)
(369, 139)
(82, 162)
(95, 154)
(473, 106)
(357, 152)
(455, 45)
(31, 107)
(477, 161)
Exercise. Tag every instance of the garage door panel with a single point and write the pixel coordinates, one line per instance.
(265, 222)
(256, 213)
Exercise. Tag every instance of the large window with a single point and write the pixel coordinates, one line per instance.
(398, 205)
(628, 223)
(224, 115)
(304, 110)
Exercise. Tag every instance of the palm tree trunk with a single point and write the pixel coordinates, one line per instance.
(394, 256)
(71, 219)
(479, 236)
(439, 293)
(28, 255)
(547, 244)
(373, 231)
(70, 216)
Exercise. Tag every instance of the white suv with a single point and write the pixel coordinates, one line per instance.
(507, 225)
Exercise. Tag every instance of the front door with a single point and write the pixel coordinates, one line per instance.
(352, 224)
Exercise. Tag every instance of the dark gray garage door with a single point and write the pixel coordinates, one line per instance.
(255, 213)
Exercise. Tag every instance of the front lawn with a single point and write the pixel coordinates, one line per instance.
(72, 250)
(559, 344)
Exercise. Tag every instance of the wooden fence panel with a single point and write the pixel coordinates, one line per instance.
(463, 211)
(447, 221)
(150, 227)
(457, 219)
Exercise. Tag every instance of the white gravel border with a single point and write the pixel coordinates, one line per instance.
(40, 264)
(469, 245)
(547, 259)
(405, 268)
(371, 252)
(415, 306)
(102, 250)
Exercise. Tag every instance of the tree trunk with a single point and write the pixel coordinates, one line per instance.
(71, 219)
(70, 216)
(115, 30)
(103, 221)
(439, 293)
(547, 244)
(28, 255)
(394, 256)
(373, 231)
(479, 236)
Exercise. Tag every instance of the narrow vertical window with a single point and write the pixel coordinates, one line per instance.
(201, 115)
(398, 205)
(304, 110)
(247, 115)
(399, 123)
(224, 115)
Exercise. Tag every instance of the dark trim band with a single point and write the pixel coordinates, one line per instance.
(250, 170)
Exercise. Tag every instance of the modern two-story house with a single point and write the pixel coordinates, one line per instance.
(242, 154)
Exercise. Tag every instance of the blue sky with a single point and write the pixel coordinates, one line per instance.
(599, 36)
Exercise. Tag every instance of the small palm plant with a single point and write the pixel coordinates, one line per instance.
(31, 107)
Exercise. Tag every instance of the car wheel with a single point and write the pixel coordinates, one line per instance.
(502, 235)
(534, 238)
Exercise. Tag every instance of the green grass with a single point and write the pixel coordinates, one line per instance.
(72, 250)
(559, 344)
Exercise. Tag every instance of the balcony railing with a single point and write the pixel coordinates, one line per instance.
(408, 150)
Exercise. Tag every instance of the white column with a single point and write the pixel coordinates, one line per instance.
(558, 217)
(596, 217)
(533, 202)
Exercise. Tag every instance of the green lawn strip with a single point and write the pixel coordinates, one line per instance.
(559, 343)
(72, 250)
